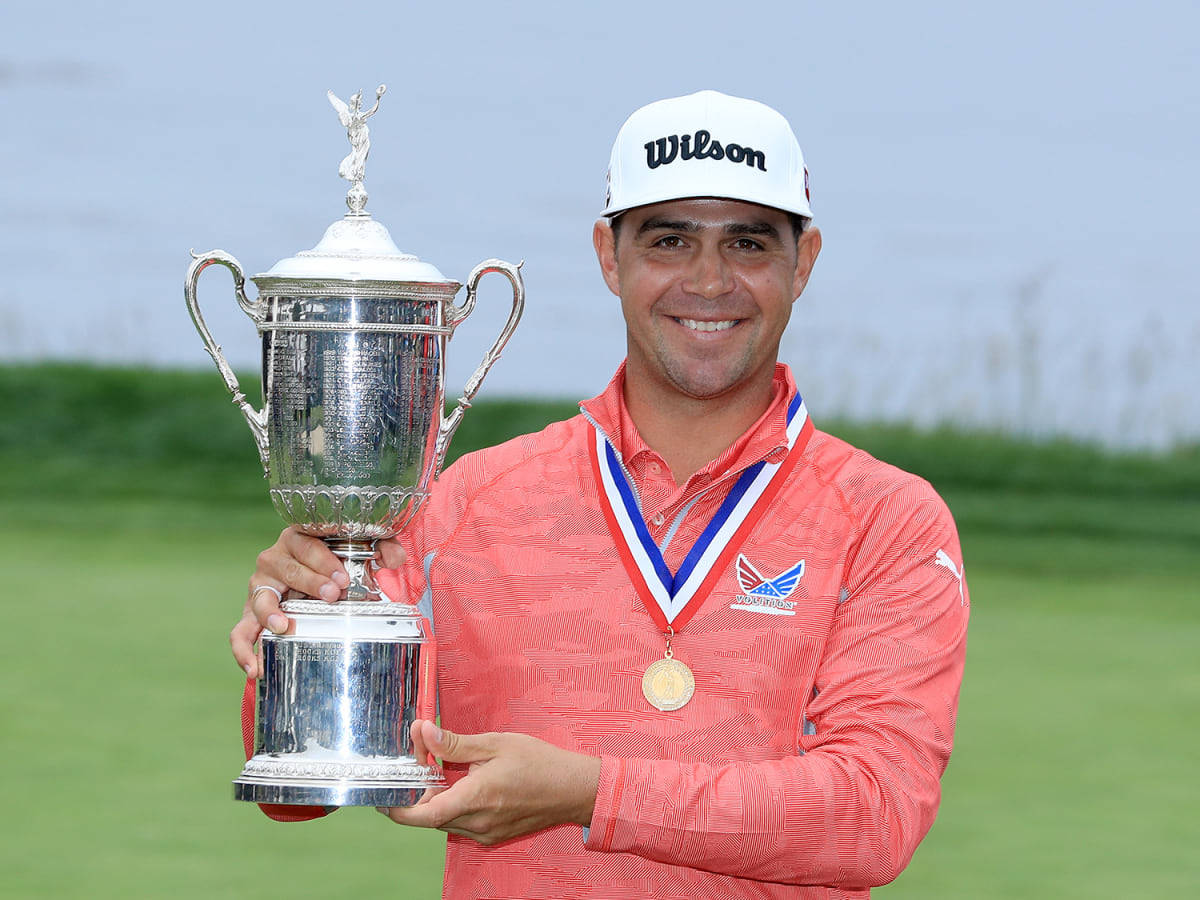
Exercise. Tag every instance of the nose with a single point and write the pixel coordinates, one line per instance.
(710, 275)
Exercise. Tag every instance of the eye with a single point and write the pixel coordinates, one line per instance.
(670, 241)
(745, 243)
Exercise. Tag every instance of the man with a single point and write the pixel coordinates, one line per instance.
(727, 644)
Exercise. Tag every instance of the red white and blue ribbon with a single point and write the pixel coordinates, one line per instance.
(673, 598)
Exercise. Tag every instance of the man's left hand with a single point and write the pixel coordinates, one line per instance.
(515, 785)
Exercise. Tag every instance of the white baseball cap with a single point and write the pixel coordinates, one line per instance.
(707, 144)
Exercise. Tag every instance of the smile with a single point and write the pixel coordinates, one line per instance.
(696, 325)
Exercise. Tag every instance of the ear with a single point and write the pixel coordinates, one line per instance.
(807, 250)
(605, 243)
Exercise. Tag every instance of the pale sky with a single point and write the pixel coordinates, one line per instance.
(1007, 192)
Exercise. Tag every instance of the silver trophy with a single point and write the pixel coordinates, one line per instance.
(351, 435)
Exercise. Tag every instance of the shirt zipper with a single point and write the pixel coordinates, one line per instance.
(620, 458)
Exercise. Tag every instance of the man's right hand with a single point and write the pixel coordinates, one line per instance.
(300, 563)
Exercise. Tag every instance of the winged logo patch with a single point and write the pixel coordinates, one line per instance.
(766, 595)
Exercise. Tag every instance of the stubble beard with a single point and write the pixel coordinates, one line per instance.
(701, 378)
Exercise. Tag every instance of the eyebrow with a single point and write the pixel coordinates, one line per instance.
(687, 226)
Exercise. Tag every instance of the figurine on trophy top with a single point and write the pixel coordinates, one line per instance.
(352, 168)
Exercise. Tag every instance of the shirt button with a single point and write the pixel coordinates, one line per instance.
(655, 469)
(658, 520)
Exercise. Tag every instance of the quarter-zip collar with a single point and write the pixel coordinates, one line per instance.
(765, 439)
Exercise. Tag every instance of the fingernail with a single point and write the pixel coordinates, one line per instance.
(437, 735)
(330, 592)
(341, 579)
(384, 810)
(277, 623)
(249, 668)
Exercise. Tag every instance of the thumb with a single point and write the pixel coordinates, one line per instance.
(389, 553)
(459, 748)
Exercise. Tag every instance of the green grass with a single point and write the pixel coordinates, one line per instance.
(131, 508)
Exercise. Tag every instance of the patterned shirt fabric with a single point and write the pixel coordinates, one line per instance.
(806, 764)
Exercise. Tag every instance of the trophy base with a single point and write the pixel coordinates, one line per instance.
(334, 704)
(277, 780)
(330, 794)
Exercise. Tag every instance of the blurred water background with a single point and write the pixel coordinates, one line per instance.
(1007, 191)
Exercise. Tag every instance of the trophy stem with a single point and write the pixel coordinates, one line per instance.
(356, 556)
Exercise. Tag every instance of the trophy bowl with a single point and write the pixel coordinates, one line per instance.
(351, 435)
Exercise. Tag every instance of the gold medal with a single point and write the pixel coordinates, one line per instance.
(668, 684)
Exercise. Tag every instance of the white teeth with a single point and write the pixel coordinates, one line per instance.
(707, 326)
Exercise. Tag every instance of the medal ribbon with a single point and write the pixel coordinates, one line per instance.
(672, 599)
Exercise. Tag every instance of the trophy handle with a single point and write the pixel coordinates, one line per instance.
(457, 314)
(255, 418)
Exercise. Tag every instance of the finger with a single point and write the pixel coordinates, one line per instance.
(241, 642)
(438, 811)
(276, 566)
(263, 604)
(390, 554)
(427, 795)
(315, 554)
(289, 562)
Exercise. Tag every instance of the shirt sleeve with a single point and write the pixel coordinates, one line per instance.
(863, 788)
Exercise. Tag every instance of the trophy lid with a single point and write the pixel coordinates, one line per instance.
(355, 248)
